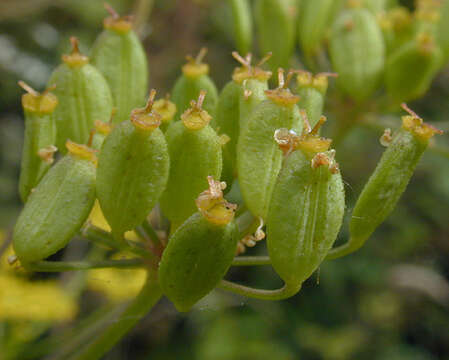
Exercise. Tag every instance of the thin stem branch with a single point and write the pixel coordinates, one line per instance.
(251, 260)
(58, 266)
(283, 293)
(138, 308)
(104, 238)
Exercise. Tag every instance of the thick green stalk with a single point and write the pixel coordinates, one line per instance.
(279, 294)
(138, 308)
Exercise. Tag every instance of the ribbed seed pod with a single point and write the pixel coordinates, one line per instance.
(276, 28)
(258, 156)
(83, 96)
(194, 78)
(397, 27)
(133, 168)
(120, 57)
(389, 180)
(312, 91)
(254, 82)
(58, 207)
(357, 52)
(410, 69)
(228, 114)
(200, 252)
(313, 23)
(307, 206)
(195, 153)
(40, 138)
(242, 25)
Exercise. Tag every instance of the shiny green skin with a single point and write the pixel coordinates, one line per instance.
(443, 30)
(385, 186)
(40, 132)
(276, 30)
(313, 22)
(242, 25)
(247, 105)
(56, 210)
(133, 168)
(312, 101)
(187, 89)
(409, 72)
(196, 258)
(123, 62)
(194, 155)
(306, 214)
(83, 96)
(357, 53)
(226, 122)
(259, 158)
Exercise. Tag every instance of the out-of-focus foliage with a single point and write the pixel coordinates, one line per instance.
(388, 301)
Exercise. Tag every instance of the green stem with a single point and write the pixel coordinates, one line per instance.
(251, 260)
(104, 238)
(279, 294)
(58, 266)
(138, 308)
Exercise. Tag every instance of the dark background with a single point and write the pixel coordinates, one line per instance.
(387, 301)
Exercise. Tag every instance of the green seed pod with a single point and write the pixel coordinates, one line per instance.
(312, 91)
(258, 156)
(313, 23)
(133, 168)
(58, 207)
(167, 110)
(40, 137)
(195, 153)
(357, 52)
(254, 82)
(275, 21)
(388, 181)
(307, 206)
(83, 96)
(411, 68)
(243, 25)
(228, 114)
(397, 27)
(194, 78)
(201, 251)
(120, 57)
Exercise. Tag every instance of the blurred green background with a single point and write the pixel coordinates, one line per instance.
(387, 301)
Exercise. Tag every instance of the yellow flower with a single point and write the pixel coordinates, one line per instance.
(117, 284)
(97, 219)
(39, 301)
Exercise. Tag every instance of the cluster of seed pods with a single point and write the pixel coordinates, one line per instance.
(173, 156)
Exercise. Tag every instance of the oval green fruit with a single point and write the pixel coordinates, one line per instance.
(195, 153)
(58, 207)
(201, 250)
(120, 57)
(411, 68)
(40, 138)
(242, 24)
(83, 96)
(313, 23)
(388, 181)
(133, 168)
(357, 52)
(306, 210)
(194, 78)
(275, 21)
(258, 156)
(236, 101)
